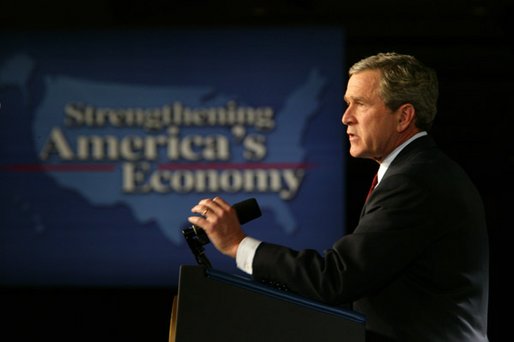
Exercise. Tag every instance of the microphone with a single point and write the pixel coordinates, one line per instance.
(247, 210)
(196, 237)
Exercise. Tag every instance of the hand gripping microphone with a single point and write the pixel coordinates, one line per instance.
(196, 237)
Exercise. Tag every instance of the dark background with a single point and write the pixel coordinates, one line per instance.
(470, 45)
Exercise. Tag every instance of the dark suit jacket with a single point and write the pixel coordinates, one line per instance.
(417, 263)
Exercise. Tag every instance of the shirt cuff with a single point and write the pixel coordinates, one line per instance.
(245, 253)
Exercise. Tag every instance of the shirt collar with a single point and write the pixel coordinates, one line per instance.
(384, 165)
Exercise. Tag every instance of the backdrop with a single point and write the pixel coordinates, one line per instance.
(108, 138)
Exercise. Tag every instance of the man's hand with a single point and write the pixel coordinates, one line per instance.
(219, 220)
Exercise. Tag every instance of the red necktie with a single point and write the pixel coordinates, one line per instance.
(373, 185)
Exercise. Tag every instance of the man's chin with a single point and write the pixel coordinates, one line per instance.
(363, 155)
(356, 153)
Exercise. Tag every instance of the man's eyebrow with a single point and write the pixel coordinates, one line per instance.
(354, 98)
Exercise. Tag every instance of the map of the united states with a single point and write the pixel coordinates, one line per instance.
(166, 190)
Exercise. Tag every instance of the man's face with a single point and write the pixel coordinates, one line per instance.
(372, 127)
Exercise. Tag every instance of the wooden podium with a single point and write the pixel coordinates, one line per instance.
(215, 306)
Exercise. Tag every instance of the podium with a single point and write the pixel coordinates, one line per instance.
(212, 305)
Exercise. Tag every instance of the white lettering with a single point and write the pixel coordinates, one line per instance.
(138, 178)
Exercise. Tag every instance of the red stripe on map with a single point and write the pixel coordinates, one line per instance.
(78, 167)
(58, 167)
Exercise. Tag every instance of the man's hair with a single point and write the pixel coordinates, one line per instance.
(404, 80)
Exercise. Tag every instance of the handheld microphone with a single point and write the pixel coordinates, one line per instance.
(247, 210)
(196, 237)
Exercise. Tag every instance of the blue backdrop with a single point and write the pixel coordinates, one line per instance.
(108, 138)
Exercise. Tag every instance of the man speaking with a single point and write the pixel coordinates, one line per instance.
(417, 264)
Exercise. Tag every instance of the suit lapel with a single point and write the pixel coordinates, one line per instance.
(403, 157)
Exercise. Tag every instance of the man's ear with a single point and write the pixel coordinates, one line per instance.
(407, 116)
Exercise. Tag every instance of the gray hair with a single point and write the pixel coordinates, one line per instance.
(404, 80)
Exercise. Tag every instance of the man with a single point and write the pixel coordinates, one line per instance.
(417, 263)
